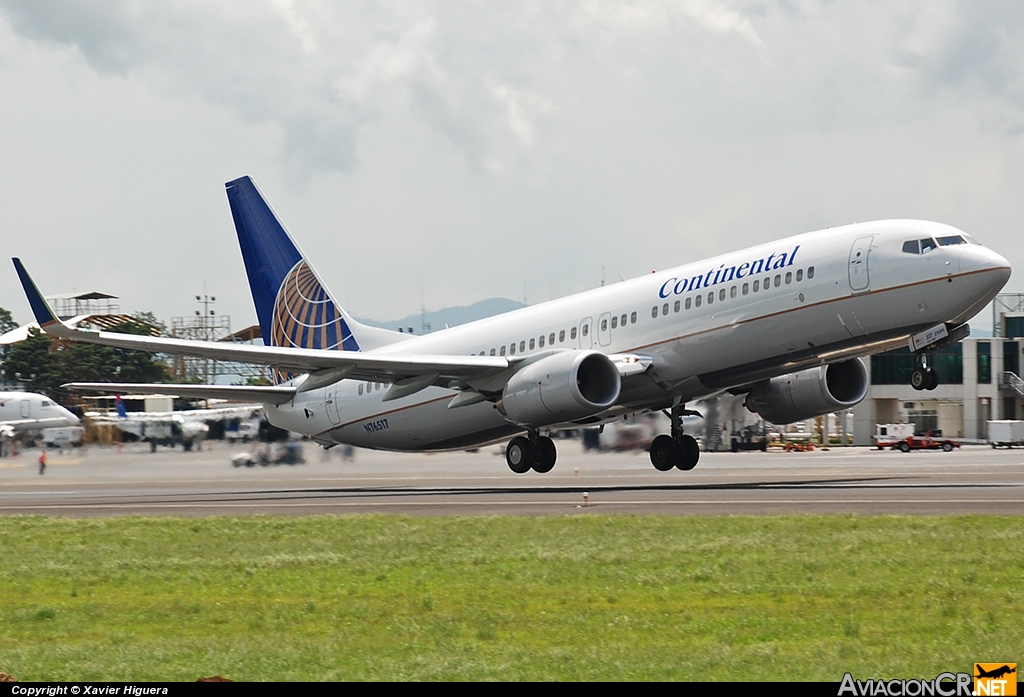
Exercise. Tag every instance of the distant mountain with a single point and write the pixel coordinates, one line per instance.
(452, 316)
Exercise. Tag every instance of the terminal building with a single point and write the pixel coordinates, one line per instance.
(979, 381)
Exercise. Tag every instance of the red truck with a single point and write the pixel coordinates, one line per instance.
(924, 443)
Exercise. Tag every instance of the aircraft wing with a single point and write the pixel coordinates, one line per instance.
(263, 394)
(20, 424)
(182, 416)
(325, 367)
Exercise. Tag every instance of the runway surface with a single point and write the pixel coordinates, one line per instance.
(102, 481)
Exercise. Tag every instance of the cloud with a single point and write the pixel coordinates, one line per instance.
(545, 140)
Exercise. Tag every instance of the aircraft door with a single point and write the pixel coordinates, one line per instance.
(587, 333)
(331, 403)
(26, 409)
(604, 329)
(859, 278)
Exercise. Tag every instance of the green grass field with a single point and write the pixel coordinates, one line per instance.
(509, 598)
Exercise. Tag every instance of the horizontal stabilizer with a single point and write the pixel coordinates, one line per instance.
(270, 394)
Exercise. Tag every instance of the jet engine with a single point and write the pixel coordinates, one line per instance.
(562, 387)
(809, 393)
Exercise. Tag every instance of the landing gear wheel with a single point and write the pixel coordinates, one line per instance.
(689, 453)
(544, 454)
(931, 379)
(663, 453)
(918, 379)
(519, 455)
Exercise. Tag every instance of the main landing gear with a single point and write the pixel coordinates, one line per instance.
(924, 376)
(534, 452)
(677, 450)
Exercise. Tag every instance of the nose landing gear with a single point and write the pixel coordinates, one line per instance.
(924, 376)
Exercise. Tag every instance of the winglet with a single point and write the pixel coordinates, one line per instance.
(40, 308)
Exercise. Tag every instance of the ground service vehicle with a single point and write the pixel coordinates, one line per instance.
(925, 443)
(1006, 434)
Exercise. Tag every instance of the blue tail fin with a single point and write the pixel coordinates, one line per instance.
(293, 306)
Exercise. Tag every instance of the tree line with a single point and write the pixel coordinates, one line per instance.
(43, 364)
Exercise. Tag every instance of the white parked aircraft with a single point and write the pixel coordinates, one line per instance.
(167, 427)
(27, 411)
(784, 323)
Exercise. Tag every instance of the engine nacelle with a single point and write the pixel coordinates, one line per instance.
(809, 393)
(562, 387)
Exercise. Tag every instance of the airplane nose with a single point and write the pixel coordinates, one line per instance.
(975, 258)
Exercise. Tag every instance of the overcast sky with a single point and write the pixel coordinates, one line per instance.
(444, 153)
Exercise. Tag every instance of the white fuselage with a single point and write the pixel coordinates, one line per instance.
(707, 326)
(27, 411)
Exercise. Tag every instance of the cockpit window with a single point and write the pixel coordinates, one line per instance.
(927, 245)
(912, 247)
(950, 240)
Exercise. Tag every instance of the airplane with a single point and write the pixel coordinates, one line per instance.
(166, 427)
(994, 673)
(784, 323)
(28, 411)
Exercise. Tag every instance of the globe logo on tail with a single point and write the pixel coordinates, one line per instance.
(305, 316)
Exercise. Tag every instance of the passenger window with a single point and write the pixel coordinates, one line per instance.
(360, 388)
(746, 288)
(697, 300)
(572, 333)
(654, 311)
(721, 294)
(540, 341)
(561, 336)
(789, 277)
(551, 338)
(732, 292)
(778, 280)
(623, 321)
(799, 275)
(810, 272)
(512, 349)
(502, 351)
(586, 330)
(604, 325)
(912, 247)
(756, 285)
(687, 303)
(492, 352)
(664, 309)
(927, 245)
(522, 346)
(615, 322)
(632, 318)
(768, 283)
(675, 308)
(711, 297)
(531, 344)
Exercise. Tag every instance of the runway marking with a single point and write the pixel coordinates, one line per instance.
(573, 503)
